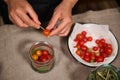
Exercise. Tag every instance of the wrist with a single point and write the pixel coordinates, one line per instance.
(70, 3)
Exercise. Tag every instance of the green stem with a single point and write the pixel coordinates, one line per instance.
(101, 75)
(107, 74)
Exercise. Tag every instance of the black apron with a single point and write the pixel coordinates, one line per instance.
(43, 8)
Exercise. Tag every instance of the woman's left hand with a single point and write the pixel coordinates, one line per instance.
(62, 12)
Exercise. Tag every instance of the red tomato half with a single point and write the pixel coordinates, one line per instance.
(89, 38)
(87, 58)
(84, 48)
(99, 59)
(108, 50)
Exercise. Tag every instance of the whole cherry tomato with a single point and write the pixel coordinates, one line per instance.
(46, 32)
(42, 59)
(78, 52)
(35, 57)
(39, 52)
(87, 54)
(45, 52)
(48, 56)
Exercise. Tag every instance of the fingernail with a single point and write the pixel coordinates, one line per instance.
(49, 27)
(37, 27)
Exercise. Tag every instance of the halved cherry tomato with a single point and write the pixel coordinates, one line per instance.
(84, 33)
(84, 48)
(108, 50)
(81, 43)
(97, 41)
(89, 38)
(87, 58)
(102, 40)
(95, 48)
(99, 59)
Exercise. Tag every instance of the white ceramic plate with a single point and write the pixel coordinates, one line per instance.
(96, 31)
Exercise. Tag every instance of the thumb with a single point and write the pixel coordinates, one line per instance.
(52, 22)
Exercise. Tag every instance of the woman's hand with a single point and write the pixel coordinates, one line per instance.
(63, 13)
(22, 14)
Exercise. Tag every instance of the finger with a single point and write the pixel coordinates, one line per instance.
(66, 27)
(17, 21)
(65, 31)
(53, 21)
(26, 19)
(58, 29)
(33, 15)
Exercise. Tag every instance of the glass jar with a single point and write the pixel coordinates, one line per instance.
(45, 61)
(105, 72)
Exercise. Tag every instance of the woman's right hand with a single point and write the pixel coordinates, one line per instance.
(22, 14)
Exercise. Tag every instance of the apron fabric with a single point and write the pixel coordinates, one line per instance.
(43, 8)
